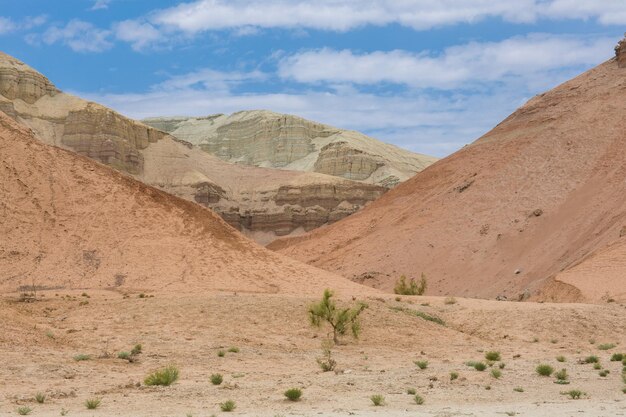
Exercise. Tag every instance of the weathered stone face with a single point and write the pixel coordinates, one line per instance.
(18, 81)
(342, 160)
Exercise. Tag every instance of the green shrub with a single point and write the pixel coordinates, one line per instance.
(597, 366)
(561, 375)
(501, 365)
(228, 406)
(518, 389)
(378, 400)
(24, 411)
(233, 349)
(575, 394)
(293, 394)
(326, 362)
(164, 377)
(496, 373)
(221, 353)
(340, 320)
(617, 357)
(560, 358)
(604, 372)
(421, 364)
(480, 366)
(449, 301)
(216, 379)
(411, 391)
(624, 390)
(454, 375)
(82, 357)
(40, 398)
(544, 370)
(124, 355)
(92, 403)
(412, 288)
(591, 359)
(136, 349)
(419, 400)
(492, 356)
(606, 346)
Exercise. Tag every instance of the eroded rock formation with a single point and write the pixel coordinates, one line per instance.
(620, 53)
(263, 203)
(267, 139)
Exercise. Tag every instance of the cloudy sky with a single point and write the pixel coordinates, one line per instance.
(426, 75)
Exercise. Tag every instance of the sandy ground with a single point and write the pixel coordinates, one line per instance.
(278, 350)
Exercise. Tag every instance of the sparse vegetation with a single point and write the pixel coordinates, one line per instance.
(82, 357)
(518, 389)
(421, 364)
(136, 350)
(40, 397)
(617, 357)
(123, 355)
(597, 366)
(233, 349)
(293, 394)
(480, 366)
(496, 373)
(228, 406)
(561, 377)
(604, 372)
(454, 375)
(221, 353)
(326, 362)
(411, 391)
(591, 359)
(378, 400)
(419, 400)
(492, 356)
(92, 403)
(412, 288)
(24, 411)
(216, 379)
(544, 370)
(449, 301)
(606, 346)
(340, 320)
(164, 377)
(575, 394)
(560, 358)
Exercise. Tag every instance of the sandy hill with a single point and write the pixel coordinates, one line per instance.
(537, 206)
(263, 203)
(267, 139)
(69, 222)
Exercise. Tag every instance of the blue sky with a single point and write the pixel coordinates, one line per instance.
(426, 75)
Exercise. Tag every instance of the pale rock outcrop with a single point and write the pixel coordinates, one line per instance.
(620, 53)
(266, 139)
(263, 203)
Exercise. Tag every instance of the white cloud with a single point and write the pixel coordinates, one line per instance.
(529, 58)
(80, 36)
(100, 5)
(6, 25)
(208, 80)
(343, 15)
(138, 34)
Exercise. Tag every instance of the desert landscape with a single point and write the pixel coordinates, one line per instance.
(259, 263)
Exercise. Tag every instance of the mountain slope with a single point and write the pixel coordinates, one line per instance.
(273, 140)
(510, 215)
(249, 198)
(69, 222)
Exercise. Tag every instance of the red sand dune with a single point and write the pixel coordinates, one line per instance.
(69, 222)
(543, 194)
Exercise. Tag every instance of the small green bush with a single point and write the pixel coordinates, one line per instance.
(40, 398)
(606, 346)
(604, 372)
(293, 394)
(233, 349)
(411, 391)
(561, 375)
(518, 389)
(502, 365)
(597, 366)
(221, 353)
(496, 373)
(480, 366)
(24, 411)
(228, 406)
(378, 400)
(544, 370)
(419, 400)
(421, 364)
(216, 379)
(492, 356)
(123, 355)
(617, 357)
(591, 359)
(454, 375)
(449, 301)
(560, 358)
(82, 357)
(136, 349)
(92, 403)
(575, 394)
(164, 377)
(412, 288)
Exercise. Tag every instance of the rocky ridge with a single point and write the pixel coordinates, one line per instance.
(262, 203)
(267, 139)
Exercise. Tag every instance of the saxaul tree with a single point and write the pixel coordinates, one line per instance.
(340, 320)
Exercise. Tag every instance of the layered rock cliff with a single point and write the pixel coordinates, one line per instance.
(263, 203)
(620, 53)
(267, 139)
